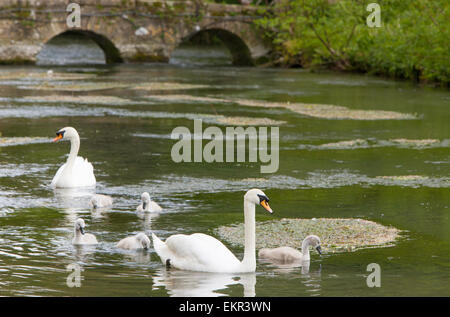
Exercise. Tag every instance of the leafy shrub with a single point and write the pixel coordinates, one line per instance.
(412, 42)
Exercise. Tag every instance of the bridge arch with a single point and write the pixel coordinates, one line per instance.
(131, 31)
(110, 51)
(239, 50)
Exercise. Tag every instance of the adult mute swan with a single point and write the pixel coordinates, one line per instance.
(100, 201)
(148, 205)
(287, 255)
(200, 252)
(80, 237)
(139, 241)
(76, 172)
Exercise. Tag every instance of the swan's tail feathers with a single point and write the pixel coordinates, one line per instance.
(160, 248)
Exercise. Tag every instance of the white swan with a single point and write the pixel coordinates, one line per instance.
(139, 241)
(100, 201)
(148, 205)
(200, 252)
(80, 237)
(76, 172)
(288, 255)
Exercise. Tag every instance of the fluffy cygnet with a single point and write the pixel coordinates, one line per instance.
(139, 241)
(100, 201)
(147, 204)
(288, 255)
(80, 237)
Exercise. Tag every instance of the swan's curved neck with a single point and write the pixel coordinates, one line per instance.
(249, 261)
(77, 234)
(74, 148)
(305, 250)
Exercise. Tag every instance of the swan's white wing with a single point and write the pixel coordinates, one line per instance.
(57, 175)
(83, 172)
(200, 252)
(81, 175)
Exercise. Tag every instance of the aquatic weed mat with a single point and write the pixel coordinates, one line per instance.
(320, 111)
(168, 86)
(418, 144)
(19, 75)
(188, 98)
(11, 141)
(85, 86)
(336, 234)
(101, 100)
(91, 86)
(323, 111)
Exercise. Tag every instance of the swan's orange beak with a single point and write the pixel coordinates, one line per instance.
(266, 206)
(58, 137)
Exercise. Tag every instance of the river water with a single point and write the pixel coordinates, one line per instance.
(352, 167)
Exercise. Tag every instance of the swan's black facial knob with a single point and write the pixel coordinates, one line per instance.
(82, 230)
(59, 135)
(264, 202)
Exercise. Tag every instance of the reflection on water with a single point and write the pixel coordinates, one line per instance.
(288, 267)
(84, 253)
(198, 284)
(147, 218)
(138, 256)
(191, 55)
(73, 200)
(312, 280)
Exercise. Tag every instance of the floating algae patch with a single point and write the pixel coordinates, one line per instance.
(188, 98)
(207, 118)
(101, 100)
(60, 110)
(312, 110)
(414, 181)
(416, 143)
(43, 76)
(405, 177)
(11, 141)
(371, 143)
(351, 144)
(168, 86)
(329, 111)
(247, 121)
(253, 179)
(87, 86)
(49, 111)
(336, 234)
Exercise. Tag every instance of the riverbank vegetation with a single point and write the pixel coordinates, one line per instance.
(411, 43)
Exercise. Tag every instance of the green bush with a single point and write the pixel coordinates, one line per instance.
(412, 42)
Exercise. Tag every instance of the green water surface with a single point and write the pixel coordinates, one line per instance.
(130, 150)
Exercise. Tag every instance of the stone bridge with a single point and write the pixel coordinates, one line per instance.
(128, 30)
